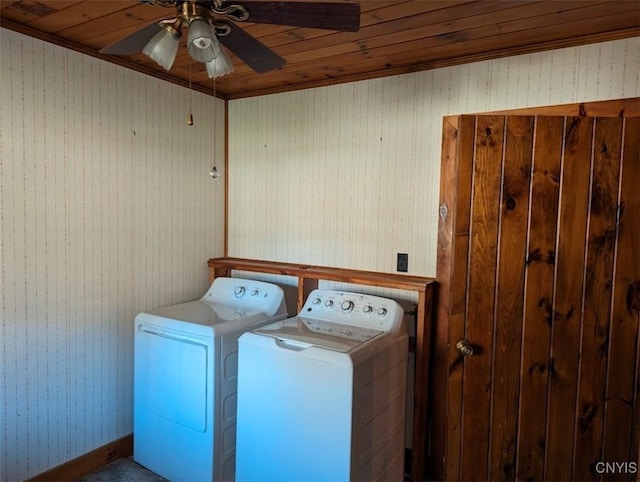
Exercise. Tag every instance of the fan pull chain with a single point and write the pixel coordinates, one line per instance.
(190, 116)
(214, 173)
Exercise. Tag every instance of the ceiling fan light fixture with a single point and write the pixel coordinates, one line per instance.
(202, 43)
(219, 66)
(163, 46)
(160, 40)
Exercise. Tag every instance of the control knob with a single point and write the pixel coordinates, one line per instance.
(316, 301)
(347, 306)
(382, 311)
(239, 291)
(367, 309)
(328, 303)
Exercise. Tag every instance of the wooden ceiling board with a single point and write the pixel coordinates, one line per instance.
(393, 27)
(281, 35)
(402, 30)
(29, 11)
(395, 37)
(73, 15)
(307, 39)
(133, 18)
(376, 36)
(388, 11)
(429, 43)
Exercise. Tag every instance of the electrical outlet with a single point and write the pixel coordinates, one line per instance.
(403, 262)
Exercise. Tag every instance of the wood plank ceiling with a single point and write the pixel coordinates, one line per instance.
(395, 37)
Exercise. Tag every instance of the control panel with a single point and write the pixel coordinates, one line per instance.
(354, 309)
(251, 295)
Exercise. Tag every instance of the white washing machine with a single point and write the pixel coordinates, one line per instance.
(321, 396)
(185, 378)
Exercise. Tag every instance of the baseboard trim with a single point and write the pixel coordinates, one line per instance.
(87, 463)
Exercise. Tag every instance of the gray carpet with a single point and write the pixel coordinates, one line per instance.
(122, 470)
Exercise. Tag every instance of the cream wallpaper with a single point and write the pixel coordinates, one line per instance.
(106, 209)
(348, 175)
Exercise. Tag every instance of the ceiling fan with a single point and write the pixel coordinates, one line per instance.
(206, 32)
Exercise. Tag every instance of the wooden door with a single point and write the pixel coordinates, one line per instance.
(539, 265)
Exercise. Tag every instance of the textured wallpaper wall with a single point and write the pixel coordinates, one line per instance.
(348, 175)
(106, 209)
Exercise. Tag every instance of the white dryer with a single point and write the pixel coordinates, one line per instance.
(185, 378)
(321, 396)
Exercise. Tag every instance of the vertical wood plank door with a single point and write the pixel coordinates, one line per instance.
(540, 268)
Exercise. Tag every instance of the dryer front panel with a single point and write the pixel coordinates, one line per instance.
(171, 377)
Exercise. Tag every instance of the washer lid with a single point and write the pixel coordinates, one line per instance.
(320, 333)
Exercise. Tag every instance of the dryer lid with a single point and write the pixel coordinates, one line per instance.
(207, 313)
(320, 333)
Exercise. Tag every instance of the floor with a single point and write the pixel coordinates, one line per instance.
(126, 470)
(122, 470)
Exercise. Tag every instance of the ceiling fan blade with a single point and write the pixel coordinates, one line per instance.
(331, 16)
(250, 50)
(134, 43)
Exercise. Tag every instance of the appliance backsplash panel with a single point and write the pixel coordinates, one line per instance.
(348, 175)
(106, 209)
